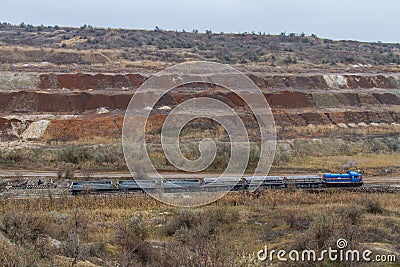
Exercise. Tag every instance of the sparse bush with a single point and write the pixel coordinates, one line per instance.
(221, 216)
(15, 156)
(183, 219)
(292, 219)
(23, 228)
(11, 255)
(131, 235)
(373, 206)
(195, 227)
(199, 235)
(321, 232)
(75, 240)
(282, 157)
(351, 215)
(73, 247)
(326, 228)
(74, 155)
(392, 144)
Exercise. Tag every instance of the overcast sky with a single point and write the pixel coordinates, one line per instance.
(364, 20)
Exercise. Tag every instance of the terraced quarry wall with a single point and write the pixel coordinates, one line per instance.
(296, 101)
(340, 114)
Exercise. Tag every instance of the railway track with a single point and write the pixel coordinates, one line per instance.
(113, 183)
(46, 191)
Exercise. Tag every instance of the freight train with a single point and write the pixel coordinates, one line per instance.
(250, 183)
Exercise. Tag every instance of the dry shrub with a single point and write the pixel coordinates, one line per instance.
(12, 255)
(373, 206)
(222, 216)
(23, 228)
(74, 244)
(182, 219)
(331, 225)
(28, 239)
(292, 219)
(201, 236)
(212, 218)
(73, 247)
(131, 235)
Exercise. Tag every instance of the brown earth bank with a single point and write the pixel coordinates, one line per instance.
(6, 124)
(28, 101)
(83, 81)
(88, 81)
(329, 124)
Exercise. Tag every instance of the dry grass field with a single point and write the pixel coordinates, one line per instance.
(135, 230)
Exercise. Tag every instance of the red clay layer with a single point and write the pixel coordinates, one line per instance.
(26, 101)
(83, 81)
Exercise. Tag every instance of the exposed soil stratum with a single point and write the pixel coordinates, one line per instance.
(87, 107)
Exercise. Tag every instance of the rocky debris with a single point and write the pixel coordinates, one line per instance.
(11, 129)
(164, 108)
(18, 81)
(36, 130)
(102, 110)
(335, 81)
(18, 127)
(387, 98)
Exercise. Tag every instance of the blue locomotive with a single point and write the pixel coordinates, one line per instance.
(351, 178)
